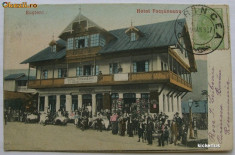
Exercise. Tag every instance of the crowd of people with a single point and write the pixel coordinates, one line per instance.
(145, 126)
(149, 127)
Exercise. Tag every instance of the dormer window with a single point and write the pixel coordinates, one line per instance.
(133, 36)
(53, 45)
(133, 33)
(81, 42)
(53, 48)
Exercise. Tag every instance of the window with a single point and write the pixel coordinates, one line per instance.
(186, 54)
(44, 74)
(141, 66)
(102, 41)
(96, 70)
(162, 65)
(168, 103)
(165, 67)
(178, 108)
(53, 48)
(115, 96)
(74, 102)
(41, 103)
(88, 70)
(113, 68)
(94, 40)
(145, 96)
(174, 66)
(62, 102)
(81, 42)
(79, 71)
(172, 103)
(62, 72)
(133, 36)
(70, 43)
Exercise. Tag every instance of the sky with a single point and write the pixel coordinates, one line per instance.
(27, 34)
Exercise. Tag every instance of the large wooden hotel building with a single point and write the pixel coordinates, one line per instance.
(89, 65)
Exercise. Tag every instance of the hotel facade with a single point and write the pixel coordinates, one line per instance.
(89, 65)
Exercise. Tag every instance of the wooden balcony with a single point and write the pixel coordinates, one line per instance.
(133, 78)
(77, 55)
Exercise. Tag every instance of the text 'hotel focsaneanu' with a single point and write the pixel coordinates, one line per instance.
(89, 65)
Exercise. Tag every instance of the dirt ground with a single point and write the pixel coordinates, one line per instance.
(21, 136)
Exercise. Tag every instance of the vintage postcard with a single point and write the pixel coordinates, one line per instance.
(117, 78)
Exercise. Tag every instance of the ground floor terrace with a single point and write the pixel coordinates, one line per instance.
(148, 98)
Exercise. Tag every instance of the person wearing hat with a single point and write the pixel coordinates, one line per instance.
(99, 122)
(140, 129)
(179, 125)
(174, 131)
(166, 134)
(130, 126)
(114, 122)
(150, 129)
(184, 134)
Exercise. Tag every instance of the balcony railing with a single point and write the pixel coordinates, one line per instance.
(128, 78)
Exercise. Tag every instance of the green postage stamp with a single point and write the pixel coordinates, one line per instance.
(134, 78)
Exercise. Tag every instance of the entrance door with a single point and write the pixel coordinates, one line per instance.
(99, 102)
(128, 99)
(52, 103)
(63, 102)
(107, 101)
(86, 100)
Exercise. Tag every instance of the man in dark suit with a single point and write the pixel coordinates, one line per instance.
(150, 129)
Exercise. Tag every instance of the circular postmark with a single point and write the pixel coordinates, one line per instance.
(205, 27)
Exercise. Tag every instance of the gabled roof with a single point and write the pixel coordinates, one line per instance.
(77, 19)
(154, 35)
(14, 76)
(47, 54)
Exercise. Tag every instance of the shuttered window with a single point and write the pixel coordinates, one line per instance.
(70, 43)
(79, 71)
(96, 70)
(134, 67)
